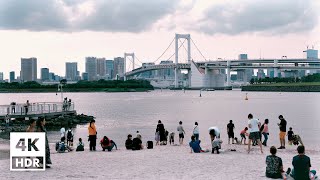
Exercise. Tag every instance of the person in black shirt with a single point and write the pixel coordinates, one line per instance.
(290, 136)
(162, 132)
(129, 142)
(282, 134)
(230, 128)
(137, 143)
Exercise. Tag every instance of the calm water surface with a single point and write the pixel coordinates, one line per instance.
(118, 114)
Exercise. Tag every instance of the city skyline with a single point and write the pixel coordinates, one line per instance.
(291, 27)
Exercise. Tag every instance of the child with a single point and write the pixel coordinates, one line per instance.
(290, 136)
(62, 146)
(171, 138)
(70, 137)
(157, 137)
(129, 142)
(80, 146)
(216, 145)
(243, 134)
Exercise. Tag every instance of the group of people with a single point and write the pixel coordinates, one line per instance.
(66, 104)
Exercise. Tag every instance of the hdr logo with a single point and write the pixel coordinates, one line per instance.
(26, 150)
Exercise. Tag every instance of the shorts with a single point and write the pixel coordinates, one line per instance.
(181, 135)
(254, 136)
(243, 136)
(231, 135)
(282, 135)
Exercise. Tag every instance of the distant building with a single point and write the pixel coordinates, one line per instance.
(44, 74)
(12, 76)
(311, 54)
(244, 75)
(148, 74)
(1, 76)
(85, 76)
(51, 76)
(109, 69)
(165, 73)
(261, 74)
(28, 69)
(270, 73)
(101, 68)
(118, 65)
(91, 68)
(72, 71)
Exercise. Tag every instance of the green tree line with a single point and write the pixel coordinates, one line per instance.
(267, 80)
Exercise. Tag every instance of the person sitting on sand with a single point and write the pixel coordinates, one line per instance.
(243, 135)
(107, 143)
(195, 145)
(216, 145)
(129, 142)
(301, 166)
(137, 143)
(80, 146)
(61, 147)
(274, 167)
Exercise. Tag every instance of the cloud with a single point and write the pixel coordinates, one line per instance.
(259, 16)
(80, 15)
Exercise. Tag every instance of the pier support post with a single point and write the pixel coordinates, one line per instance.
(275, 69)
(228, 74)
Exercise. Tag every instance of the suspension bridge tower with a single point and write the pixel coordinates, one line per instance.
(188, 38)
(125, 64)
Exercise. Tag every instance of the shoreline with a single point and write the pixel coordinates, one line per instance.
(106, 90)
(280, 87)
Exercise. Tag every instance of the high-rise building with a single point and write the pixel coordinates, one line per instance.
(44, 74)
(91, 68)
(12, 76)
(311, 54)
(72, 71)
(109, 69)
(1, 76)
(51, 76)
(28, 69)
(101, 68)
(118, 65)
(244, 75)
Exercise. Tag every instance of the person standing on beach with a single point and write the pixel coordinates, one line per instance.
(41, 122)
(265, 131)
(283, 128)
(92, 135)
(62, 132)
(230, 128)
(196, 131)
(254, 131)
(181, 132)
(160, 128)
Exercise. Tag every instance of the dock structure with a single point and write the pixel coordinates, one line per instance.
(37, 109)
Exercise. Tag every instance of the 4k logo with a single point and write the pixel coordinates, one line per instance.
(26, 151)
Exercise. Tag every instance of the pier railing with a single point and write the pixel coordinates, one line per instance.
(36, 108)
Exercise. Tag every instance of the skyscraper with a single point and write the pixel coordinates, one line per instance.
(312, 54)
(71, 71)
(91, 68)
(28, 69)
(109, 69)
(118, 66)
(44, 74)
(12, 76)
(101, 68)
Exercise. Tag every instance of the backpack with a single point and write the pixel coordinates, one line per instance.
(69, 134)
(149, 145)
(62, 147)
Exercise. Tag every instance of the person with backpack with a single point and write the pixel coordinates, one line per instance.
(80, 146)
(70, 137)
(107, 143)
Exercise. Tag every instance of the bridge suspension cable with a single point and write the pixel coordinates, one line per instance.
(198, 49)
(184, 47)
(164, 51)
(178, 49)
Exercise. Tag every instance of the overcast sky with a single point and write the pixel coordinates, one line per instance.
(59, 31)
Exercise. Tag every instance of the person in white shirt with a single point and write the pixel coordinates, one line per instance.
(196, 131)
(254, 130)
(62, 132)
(181, 132)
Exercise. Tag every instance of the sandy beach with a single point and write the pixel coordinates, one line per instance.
(162, 162)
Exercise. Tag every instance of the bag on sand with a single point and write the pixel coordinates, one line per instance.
(149, 145)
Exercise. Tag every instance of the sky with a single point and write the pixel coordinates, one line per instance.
(59, 31)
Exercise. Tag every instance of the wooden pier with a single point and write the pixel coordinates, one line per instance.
(37, 109)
